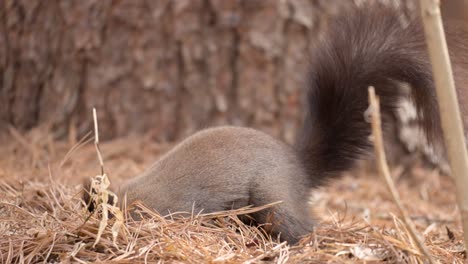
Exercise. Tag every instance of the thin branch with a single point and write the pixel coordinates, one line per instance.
(96, 141)
(385, 171)
(448, 104)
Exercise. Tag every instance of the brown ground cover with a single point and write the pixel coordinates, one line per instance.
(42, 218)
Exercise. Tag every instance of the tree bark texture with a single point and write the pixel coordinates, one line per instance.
(163, 67)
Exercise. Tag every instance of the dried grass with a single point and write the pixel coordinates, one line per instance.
(42, 218)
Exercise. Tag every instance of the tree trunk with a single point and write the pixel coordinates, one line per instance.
(165, 67)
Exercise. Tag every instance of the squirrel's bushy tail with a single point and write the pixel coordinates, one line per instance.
(367, 47)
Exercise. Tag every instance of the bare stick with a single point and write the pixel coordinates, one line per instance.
(96, 141)
(448, 105)
(385, 171)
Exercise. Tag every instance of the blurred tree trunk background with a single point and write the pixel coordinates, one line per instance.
(164, 67)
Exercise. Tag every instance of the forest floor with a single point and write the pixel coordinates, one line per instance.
(42, 218)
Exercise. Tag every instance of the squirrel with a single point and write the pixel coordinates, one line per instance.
(231, 167)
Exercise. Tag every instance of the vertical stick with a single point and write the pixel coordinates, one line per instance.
(448, 105)
(96, 141)
(385, 172)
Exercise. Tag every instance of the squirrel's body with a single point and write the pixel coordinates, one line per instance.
(228, 167)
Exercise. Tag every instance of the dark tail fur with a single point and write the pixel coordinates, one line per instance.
(369, 47)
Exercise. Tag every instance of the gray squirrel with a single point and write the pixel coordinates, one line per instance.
(231, 167)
